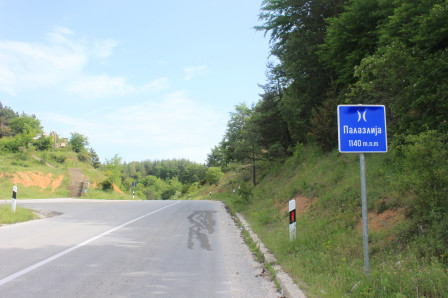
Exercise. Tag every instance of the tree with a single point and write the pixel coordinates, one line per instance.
(241, 139)
(78, 142)
(95, 159)
(235, 139)
(193, 173)
(113, 169)
(353, 35)
(6, 115)
(213, 175)
(297, 29)
(218, 157)
(407, 73)
(269, 123)
(43, 143)
(27, 125)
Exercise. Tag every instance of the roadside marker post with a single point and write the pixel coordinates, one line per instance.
(134, 184)
(362, 129)
(292, 220)
(14, 197)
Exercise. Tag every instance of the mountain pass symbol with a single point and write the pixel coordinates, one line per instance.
(363, 115)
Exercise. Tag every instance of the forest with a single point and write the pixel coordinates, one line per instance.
(392, 53)
(326, 53)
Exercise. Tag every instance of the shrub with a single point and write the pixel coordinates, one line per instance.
(43, 143)
(425, 175)
(107, 185)
(58, 158)
(84, 156)
(424, 182)
(213, 175)
(168, 194)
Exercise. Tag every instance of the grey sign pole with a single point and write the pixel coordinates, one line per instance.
(365, 230)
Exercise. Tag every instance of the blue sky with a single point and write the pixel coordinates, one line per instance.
(142, 79)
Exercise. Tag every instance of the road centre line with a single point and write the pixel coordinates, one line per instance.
(73, 248)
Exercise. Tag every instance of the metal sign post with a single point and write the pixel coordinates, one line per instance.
(362, 129)
(365, 229)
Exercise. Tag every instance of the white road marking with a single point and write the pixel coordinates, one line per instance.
(73, 248)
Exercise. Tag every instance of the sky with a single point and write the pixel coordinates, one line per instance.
(144, 79)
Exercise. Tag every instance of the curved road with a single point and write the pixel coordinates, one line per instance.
(93, 248)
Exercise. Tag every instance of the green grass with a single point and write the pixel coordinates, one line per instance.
(326, 258)
(98, 194)
(7, 216)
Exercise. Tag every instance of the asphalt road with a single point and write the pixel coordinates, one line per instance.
(93, 248)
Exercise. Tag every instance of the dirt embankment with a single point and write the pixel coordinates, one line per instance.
(38, 179)
(303, 204)
(117, 189)
(377, 222)
(41, 180)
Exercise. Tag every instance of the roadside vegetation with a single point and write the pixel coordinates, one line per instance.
(408, 244)
(283, 147)
(7, 216)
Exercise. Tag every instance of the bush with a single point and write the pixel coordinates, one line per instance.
(58, 158)
(84, 156)
(424, 182)
(425, 175)
(168, 194)
(43, 143)
(213, 175)
(107, 185)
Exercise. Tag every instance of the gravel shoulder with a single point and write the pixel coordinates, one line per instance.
(248, 277)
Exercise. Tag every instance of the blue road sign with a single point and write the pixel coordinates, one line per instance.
(362, 128)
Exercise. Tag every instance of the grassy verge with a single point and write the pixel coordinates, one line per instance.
(326, 258)
(99, 194)
(9, 217)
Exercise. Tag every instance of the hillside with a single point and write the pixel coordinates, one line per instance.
(50, 174)
(408, 255)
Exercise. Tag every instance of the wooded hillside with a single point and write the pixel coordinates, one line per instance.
(325, 53)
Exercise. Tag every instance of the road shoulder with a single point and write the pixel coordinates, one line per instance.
(289, 288)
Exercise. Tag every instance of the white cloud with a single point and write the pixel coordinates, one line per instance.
(171, 126)
(64, 124)
(103, 48)
(173, 119)
(98, 86)
(194, 71)
(59, 61)
(26, 65)
(157, 85)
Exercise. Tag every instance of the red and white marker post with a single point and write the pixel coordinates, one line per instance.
(14, 197)
(292, 220)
